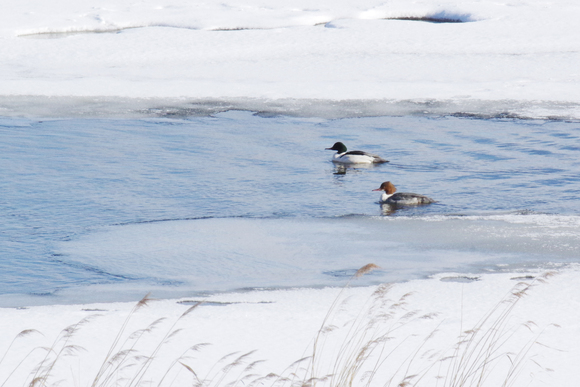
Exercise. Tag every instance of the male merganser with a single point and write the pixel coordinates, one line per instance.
(353, 157)
(400, 198)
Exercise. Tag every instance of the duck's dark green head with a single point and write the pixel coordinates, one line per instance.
(339, 147)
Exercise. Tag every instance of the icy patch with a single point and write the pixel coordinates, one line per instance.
(237, 253)
(549, 221)
(57, 34)
(54, 33)
(71, 107)
(438, 17)
(459, 279)
(63, 33)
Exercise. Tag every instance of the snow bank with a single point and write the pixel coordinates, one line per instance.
(515, 58)
(423, 319)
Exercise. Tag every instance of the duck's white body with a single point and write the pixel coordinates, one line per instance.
(354, 157)
(401, 198)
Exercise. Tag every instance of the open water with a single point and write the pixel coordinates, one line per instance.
(110, 209)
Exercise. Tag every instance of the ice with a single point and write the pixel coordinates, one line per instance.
(129, 107)
(209, 255)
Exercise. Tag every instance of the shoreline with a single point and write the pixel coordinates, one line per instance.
(118, 107)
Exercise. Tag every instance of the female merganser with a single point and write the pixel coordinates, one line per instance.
(401, 198)
(353, 157)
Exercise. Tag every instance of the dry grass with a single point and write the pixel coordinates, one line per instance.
(371, 353)
(480, 350)
(372, 349)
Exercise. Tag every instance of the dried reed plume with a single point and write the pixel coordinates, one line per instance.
(479, 350)
(366, 269)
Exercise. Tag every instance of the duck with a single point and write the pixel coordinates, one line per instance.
(353, 157)
(401, 198)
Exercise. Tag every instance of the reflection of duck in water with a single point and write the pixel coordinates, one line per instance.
(341, 169)
(400, 198)
(353, 157)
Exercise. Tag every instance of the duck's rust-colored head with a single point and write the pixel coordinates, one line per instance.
(388, 187)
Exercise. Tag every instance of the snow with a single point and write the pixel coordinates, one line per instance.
(425, 317)
(516, 57)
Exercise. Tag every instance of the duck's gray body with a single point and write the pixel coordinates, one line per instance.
(401, 198)
(405, 199)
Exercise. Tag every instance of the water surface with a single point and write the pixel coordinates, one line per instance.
(84, 202)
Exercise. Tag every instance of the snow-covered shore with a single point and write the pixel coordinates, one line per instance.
(423, 318)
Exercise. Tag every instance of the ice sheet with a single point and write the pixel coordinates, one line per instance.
(516, 58)
(209, 255)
